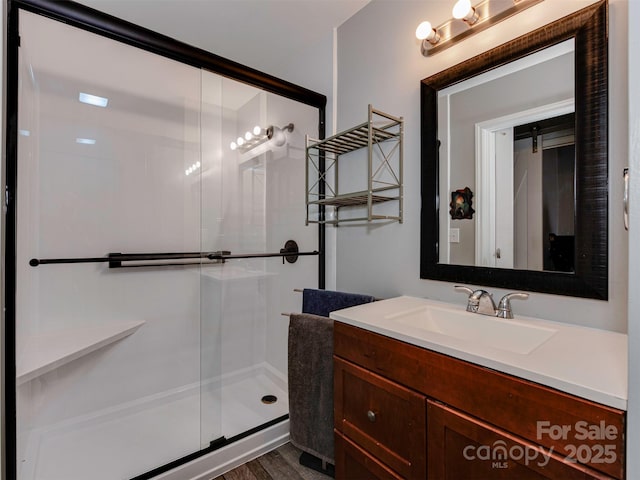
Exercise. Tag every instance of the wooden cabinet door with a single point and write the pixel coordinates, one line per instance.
(384, 418)
(353, 463)
(463, 447)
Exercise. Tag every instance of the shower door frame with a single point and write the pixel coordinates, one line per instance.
(108, 26)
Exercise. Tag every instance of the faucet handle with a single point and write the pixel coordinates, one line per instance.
(504, 307)
(474, 297)
(462, 288)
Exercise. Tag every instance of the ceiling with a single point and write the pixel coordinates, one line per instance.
(262, 34)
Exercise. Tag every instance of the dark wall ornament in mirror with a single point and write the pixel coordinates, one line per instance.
(589, 279)
(460, 207)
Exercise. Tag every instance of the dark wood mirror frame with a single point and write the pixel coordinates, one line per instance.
(589, 28)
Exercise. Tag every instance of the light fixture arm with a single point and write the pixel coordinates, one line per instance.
(272, 129)
(277, 134)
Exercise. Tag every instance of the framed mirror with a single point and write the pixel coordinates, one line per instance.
(514, 146)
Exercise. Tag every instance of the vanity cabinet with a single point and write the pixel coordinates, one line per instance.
(402, 411)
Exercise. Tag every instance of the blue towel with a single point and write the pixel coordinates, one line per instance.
(322, 302)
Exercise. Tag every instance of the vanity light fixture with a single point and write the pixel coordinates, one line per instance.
(192, 168)
(467, 20)
(258, 136)
(249, 140)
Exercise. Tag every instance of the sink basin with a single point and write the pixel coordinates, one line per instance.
(510, 335)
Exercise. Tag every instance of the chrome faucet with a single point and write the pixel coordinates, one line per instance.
(480, 301)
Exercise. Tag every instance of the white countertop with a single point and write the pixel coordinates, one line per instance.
(586, 362)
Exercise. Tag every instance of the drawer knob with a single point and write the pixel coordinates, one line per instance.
(371, 415)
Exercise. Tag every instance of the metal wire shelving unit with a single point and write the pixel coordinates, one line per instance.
(382, 136)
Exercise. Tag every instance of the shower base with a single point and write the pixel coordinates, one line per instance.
(129, 440)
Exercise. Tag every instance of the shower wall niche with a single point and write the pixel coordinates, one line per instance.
(123, 370)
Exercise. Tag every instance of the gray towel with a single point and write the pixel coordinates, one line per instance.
(311, 384)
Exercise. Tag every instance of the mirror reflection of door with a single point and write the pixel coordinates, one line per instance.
(504, 249)
(559, 207)
(527, 200)
(526, 181)
(543, 195)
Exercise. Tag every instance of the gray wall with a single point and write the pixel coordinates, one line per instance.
(379, 62)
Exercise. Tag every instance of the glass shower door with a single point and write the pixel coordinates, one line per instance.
(252, 203)
(108, 359)
(134, 349)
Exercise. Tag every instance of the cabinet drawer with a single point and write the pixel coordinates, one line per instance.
(386, 419)
(529, 410)
(393, 359)
(353, 463)
(461, 446)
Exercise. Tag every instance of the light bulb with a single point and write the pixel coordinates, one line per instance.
(240, 141)
(424, 30)
(248, 136)
(233, 145)
(461, 9)
(257, 130)
(198, 164)
(187, 172)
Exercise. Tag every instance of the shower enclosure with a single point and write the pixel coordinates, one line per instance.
(147, 252)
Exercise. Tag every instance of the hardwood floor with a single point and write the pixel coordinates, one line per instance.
(279, 464)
